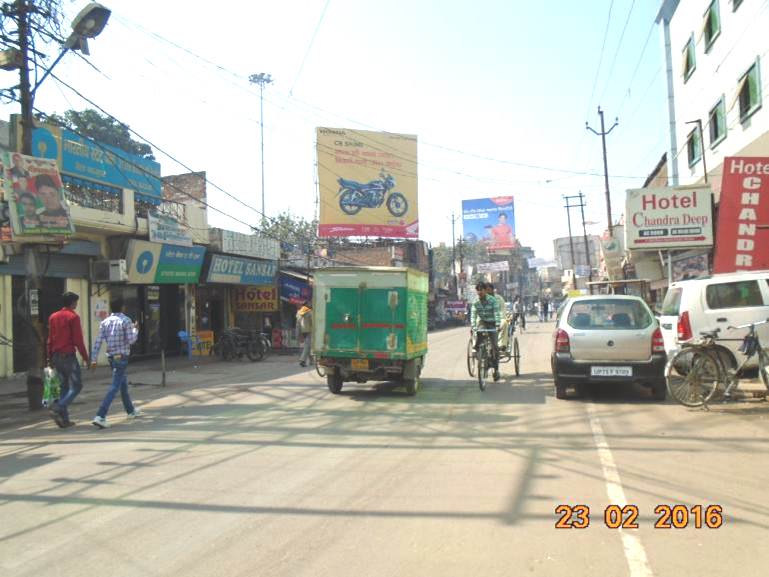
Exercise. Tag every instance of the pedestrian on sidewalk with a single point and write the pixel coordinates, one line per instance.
(65, 338)
(119, 332)
(304, 326)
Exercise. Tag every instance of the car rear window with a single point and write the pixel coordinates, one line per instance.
(672, 302)
(608, 314)
(731, 295)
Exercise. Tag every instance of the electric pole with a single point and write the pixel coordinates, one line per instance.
(262, 80)
(603, 134)
(584, 234)
(571, 239)
(581, 206)
(454, 256)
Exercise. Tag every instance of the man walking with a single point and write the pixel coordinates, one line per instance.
(119, 332)
(304, 326)
(65, 336)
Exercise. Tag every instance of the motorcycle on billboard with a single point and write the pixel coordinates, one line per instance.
(354, 196)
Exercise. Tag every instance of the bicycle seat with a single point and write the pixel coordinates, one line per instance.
(710, 334)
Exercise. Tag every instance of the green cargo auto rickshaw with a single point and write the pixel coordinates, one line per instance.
(370, 325)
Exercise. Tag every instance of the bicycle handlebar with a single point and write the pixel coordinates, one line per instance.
(485, 330)
(749, 325)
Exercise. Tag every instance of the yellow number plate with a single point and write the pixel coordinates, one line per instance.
(359, 364)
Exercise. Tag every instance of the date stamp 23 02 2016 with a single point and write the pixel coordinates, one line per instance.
(626, 516)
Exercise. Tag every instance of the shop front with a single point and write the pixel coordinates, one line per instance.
(248, 284)
(294, 292)
(160, 294)
(60, 271)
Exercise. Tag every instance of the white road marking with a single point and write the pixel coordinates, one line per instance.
(635, 554)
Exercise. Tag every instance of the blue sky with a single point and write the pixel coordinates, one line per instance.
(498, 93)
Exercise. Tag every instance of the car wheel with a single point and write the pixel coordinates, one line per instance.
(334, 382)
(560, 388)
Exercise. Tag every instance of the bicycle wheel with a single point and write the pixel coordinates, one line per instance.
(470, 358)
(482, 367)
(693, 375)
(227, 349)
(255, 350)
(516, 357)
(763, 367)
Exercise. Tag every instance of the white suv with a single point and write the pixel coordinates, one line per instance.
(716, 302)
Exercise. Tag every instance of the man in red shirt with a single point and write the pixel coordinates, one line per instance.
(65, 336)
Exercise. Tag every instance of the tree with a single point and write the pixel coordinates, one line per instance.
(291, 229)
(103, 129)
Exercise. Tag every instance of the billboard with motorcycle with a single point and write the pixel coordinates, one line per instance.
(368, 183)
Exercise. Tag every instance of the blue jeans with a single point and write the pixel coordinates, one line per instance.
(119, 383)
(71, 381)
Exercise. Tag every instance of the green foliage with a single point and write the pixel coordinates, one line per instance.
(103, 129)
(290, 228)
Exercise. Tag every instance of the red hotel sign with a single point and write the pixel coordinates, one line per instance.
(742, 239)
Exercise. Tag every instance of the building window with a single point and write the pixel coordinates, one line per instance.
(749, 92)
(693, 147)
(689, 62)
(711, 27)
(717, 123)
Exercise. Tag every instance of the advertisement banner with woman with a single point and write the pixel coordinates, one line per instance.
(491, 221)
(368, 183)
(34, 189)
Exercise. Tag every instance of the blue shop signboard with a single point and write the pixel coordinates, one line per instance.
(155, 263)
(294, 290)
(238, 270)
(95, 162)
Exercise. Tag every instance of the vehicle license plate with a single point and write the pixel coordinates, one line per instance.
(359, 364)
(611, 371)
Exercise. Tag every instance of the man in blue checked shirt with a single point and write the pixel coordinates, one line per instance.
(119, 332)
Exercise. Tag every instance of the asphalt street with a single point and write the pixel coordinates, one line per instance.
(256, 469)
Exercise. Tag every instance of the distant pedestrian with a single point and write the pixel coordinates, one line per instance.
(119, 332)
(546, 310)
(304, 327)
(65, 336)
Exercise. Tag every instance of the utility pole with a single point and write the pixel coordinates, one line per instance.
(581, 206)
(461, 260)
(603, 134)
(571, 239)
(262, 80)
(454, 256)
(584, 234)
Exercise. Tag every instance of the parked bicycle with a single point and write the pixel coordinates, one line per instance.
(235, 343)
(698, 371)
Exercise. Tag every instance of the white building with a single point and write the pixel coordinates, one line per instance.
(715, 55)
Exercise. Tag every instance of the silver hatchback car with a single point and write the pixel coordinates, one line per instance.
(607, 338)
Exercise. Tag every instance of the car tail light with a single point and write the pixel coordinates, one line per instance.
(684, 327)
(562, 344)
(658, 343)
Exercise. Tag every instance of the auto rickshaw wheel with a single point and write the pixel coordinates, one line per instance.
(334, 381)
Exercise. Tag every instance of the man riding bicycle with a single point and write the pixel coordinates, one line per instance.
(485, 314)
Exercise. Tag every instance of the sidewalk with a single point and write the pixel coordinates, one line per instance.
(145, 380)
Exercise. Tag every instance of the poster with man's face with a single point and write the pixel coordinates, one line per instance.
(34, 190)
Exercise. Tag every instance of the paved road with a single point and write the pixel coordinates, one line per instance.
(260, 471)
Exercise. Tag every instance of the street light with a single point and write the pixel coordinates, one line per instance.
(88, 23)
(262, 80)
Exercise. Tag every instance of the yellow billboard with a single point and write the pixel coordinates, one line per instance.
(368, 183)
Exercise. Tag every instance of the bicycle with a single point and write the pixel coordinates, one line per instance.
(471, 357)
(697, 371)
(484, 356)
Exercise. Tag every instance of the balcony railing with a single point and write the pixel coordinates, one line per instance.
(94, 196)
(168, 207)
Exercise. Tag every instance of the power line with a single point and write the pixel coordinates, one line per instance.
(309, 46)
(600, 58)
(617, 50)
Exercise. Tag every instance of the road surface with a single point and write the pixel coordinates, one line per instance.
(261, 471)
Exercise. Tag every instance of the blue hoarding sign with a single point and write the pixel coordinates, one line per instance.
(155, 263)
(491, 221)
(237, 270)
(294, 290)
(83, 158)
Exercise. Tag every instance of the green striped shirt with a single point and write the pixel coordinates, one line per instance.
(486, 310)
